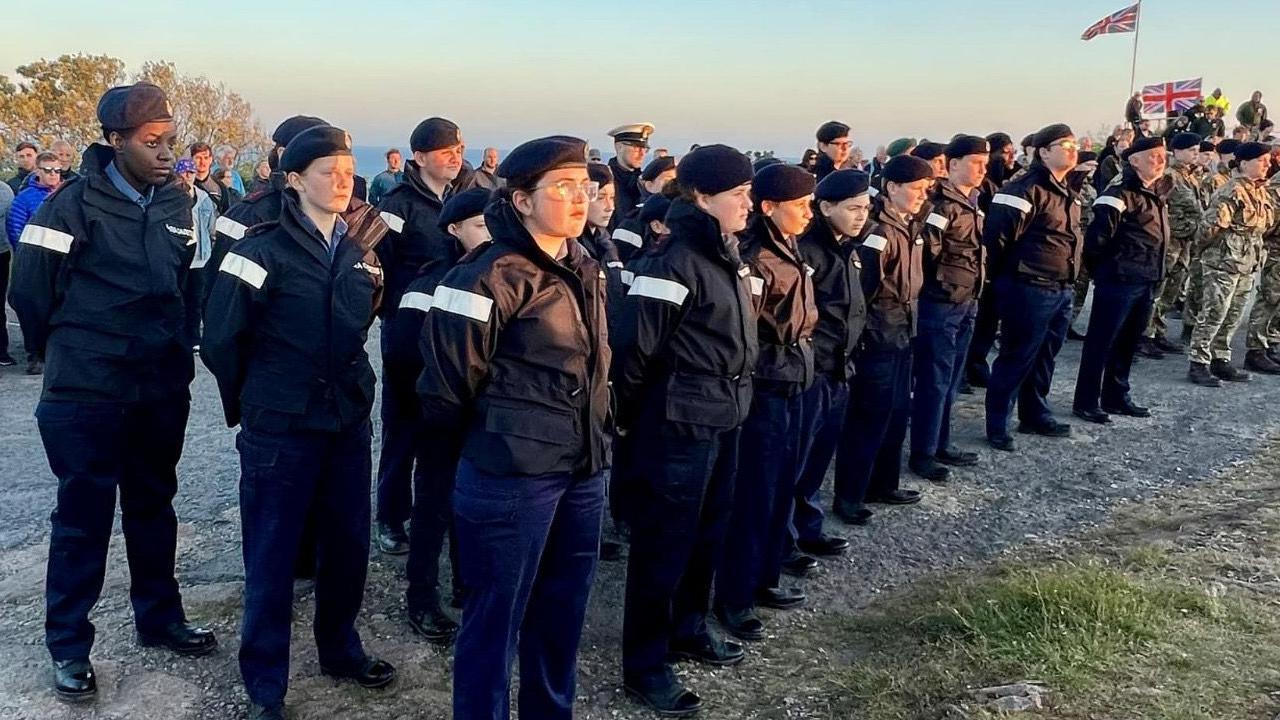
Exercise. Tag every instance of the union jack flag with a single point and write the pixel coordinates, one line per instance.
(1124, 21)
(1163, 99)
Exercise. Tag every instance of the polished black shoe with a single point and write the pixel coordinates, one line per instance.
(1167, 345)
(799, 565)
(708, 650)
(930, 470)
(826, 545)
(1148, 349)
(612, 551)
(780, 598)
(671, 700)
(371, 674)
(742, 624)
(6, 360)
(1050, 428)
(1127, 409)
(1260, 361)
(1199, 375)
(956, 458)
(1073, 334)
(1093, 415)
(433, 624)
(392, 540)
(262, 712)
(896, 497)
(181, 638)
(1224, 370)
(74, 680)
(1001, 442)
(852, 513)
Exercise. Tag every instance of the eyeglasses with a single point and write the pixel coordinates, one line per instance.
(1067, 145)
(52, 170)
(568, 189)
(842, 144)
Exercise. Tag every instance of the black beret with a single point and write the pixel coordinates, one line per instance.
(929, 150)
(128, 106)
(657, 166)
(1206, 146)
(1228, 146)
(963, 145)
(999, 141)
(312, 144)
(600, 174)
(655, 208)
(763, 163)
(842, 185)
(1050, 134)
(782, 182)
(1184, 141)
(535, 157)
(1086, 156)
(1028, 141)
(463, 205)
(433, 134)
(831, 131)
(289, 129)
(713, 169)
(1143, 144)
(907, 169)
(1252, 151)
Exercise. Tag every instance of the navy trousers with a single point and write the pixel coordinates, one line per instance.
(986, 326)
(401, 427)
(822, 413)
(285, 478)
(941, 345)
(767, 468)
(432, 521)
(682, 498)
(1116, 324)
(1033, 326)
(97, 449)
(869, 460)
(527, 547)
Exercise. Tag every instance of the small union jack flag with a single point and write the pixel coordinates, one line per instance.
(1164, 99)
(1124, 21)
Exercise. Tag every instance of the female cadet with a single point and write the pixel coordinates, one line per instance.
(686, 350)
(299, 384)
(516, 366)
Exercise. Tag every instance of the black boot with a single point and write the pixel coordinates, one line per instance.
(433, 624)
(1224, 370)
(667, 698)
(74, 680)
(1259, 361)
(1199, 374)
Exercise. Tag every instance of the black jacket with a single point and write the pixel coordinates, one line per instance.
(837, 286)
(788, 311)
(954, 257)
(627, 188)
(412, 211)
(287, 342)
(1127, 238)
(516, 355)
(824, 166)
(597, 243)
(892, 275)
(98, 288)
(1032, 230)
(687, 342)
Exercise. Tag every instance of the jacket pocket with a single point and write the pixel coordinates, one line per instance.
(99, 343)
(707, 400)
(521, 437)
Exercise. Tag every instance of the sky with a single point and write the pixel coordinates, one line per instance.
(756, 75)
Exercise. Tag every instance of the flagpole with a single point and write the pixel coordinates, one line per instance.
(1133, 71)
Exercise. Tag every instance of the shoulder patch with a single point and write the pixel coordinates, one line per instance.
(876, 242)
(938, 221)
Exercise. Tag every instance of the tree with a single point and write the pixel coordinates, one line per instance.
(208, 112)
(54, 99)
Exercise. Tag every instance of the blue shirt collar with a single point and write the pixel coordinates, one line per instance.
(339, 231)
(128, 190)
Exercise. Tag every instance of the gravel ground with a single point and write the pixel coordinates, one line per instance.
(1048, 490)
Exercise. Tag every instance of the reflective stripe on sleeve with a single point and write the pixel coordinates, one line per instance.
(937, 221)
(395, 222)
(245, 269)
(1112, 202)
(416, 300)
(659, 289)
(460, 302)
(628, 237)
(1012, 201)
(229, 227)
(876, 242)
(47, 238)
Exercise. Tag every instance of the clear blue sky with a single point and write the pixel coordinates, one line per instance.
(752, 74)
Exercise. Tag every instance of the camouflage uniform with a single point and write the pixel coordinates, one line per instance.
(1186, 214)
(1212, 182)
(1264, 320)
(1238, 216)
(1087, 195)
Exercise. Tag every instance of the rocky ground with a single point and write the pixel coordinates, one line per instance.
(1048, 490)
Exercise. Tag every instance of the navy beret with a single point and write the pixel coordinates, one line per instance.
(128, 106)
(433, 134)
(713, 169)
(655, 208)
(1252, 151)
(1049, 135)
(534, 158)
(1143, 144)
(600, 174)
(962, 145)
(463, 205)
(907, 169)
(842, 185)
(657, 166)
(289, 129)
(999, 141)
(1206, 146)
(832, 131)
(1228, 146)
(764, 162)
(1184, 141)
(928, 150)
(312, 144)
(782, 182)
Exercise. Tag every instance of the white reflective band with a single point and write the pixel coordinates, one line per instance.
(184, 232)
(808, 270)
(602, 275)
(872, 192)
(628, 277)
(1113, 202)
(757, 285)
(461, 302)
(628, 237)
(876, 242)
(919, 240)
(614, 264)
(1012, 201)
(229, 227)
(47, 238)
(395, 222)
(416, 300)
(659, 289)
(245, 269)
(937, 221)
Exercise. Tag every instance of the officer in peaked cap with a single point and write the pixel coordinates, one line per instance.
(630, 145)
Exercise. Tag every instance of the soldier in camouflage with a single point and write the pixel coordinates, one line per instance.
(1186, 214)
(1214, 179)
(1239, 215)
(1262, 342)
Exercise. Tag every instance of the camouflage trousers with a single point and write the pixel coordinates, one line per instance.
(1223, 294)
(1177, 267)
(1264, 319)
(1195, 286)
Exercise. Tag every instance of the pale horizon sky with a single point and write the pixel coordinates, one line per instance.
(756, 75)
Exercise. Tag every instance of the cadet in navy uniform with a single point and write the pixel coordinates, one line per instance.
(596, 241)
(412, 210)
(842, 204)
(834, 147)
(517, 362)
(768, 458)
(628, 235)
(630, 145)
(299, 384)
(954, 276)
(1032, 236)
(1124, 250)
(869, 463)
(682, 382)
(98, 287)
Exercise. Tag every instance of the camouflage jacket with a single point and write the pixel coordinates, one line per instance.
(1272, 236)
(1213, 182)
(1238, 216)
(1186, 207)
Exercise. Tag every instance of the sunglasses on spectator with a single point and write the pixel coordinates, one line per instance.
(53, 170)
